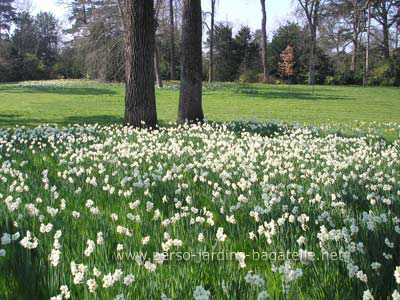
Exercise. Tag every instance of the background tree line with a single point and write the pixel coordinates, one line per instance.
(337, 42)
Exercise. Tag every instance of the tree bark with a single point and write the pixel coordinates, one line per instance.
(211, 70)
(264, 41)
(121, 13)
(190, 97)
(366, 69)
(311, 9)
(172, 39)
(386, 46)
(354, 52)
(311, 78)
(140, 104)
(356, 26)
(157, 66)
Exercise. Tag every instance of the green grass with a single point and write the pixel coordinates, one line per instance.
(66, 102)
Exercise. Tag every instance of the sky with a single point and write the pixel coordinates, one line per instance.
(245, 12)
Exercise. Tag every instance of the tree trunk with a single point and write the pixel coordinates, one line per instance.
(354, 52)
(264, 41)
(172, 39)
(386, 46)
(190, 97)
(366, 69)
(356, 21)
(140, 104)
(311, 78)
(157, 66)
(211, 70)
(121, 14)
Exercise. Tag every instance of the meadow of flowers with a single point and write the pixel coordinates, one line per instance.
(95, 212)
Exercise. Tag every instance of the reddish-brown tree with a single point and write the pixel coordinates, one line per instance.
(286, 66)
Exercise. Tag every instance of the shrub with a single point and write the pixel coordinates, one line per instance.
(249, 76)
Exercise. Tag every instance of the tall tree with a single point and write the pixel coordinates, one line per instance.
(156, 52)
(385, 13)
(245, 49)
(7, 14)
(172, 38)
(357, 24)
(352, 12)
(367, 46)
(291, 34)
(264, 40)
(190, 98)
(211, 70)
(140, 104)
(311, 10)
(47, 32)
(227, 58)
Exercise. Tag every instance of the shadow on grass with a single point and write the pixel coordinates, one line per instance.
(100, 119)
(14, 120)
(288, 95)
(9, 116)
(59, 91)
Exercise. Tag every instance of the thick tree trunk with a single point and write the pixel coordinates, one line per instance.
(190, 97)
(172, 39)
(264, 41)
(211, 70)
(140, 105)
(157, 66)
(311, 78)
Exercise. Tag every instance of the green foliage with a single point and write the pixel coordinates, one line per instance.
(234, 55)
(31, 67)
(290, 34)
(345, 78)
(32, 51)
(7, 15)
(387, 74)
(249, 76)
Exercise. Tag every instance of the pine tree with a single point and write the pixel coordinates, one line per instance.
(7, 15)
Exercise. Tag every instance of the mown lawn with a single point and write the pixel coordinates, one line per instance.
(66, 102)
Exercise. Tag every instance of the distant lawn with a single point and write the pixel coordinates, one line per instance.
(64, 102)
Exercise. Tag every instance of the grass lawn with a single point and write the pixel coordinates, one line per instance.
(66, 102)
